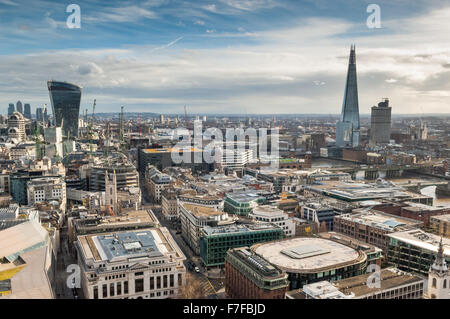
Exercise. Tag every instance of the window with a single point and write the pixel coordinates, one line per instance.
(445, 284)
(152, 283)
(105, 291)
(139, 285)
(95, 292)
(111, 289)
(434, 283)
(119, 288)
(125, 287)
(158, 282)
(171, 280)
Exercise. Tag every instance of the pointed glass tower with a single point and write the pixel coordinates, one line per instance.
(347, 129)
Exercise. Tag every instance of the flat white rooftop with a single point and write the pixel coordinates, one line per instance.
(304, 254)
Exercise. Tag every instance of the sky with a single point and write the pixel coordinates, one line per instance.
(227, 56)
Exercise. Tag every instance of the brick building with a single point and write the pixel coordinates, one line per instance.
(249, 276)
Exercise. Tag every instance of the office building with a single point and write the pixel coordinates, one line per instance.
(319, 213)
(441, 225)
(140, 264)
(347, 128)
(216, 241)
(11, 108)
(19, 107)
(307, 259)
(380, 129)
(415, 250)
(242, 203)
(372, 227)
(65, 99)
(47, 189)
(39, 114)
(393, 284)
(273, 215)
(27, 111)
(194, 217)
(248, 276)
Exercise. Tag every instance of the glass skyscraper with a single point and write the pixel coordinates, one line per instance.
(65, 98)
(11, 108)
(27, 111)
(347, 129)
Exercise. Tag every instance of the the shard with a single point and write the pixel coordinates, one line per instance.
(347, 128)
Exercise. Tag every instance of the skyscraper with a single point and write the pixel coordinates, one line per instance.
(39, 114)
(19, 107)
(347, 128)
(27, 111)
(380, 128)
(65, 98)
(11, 108)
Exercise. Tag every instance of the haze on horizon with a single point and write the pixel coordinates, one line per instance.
(227, 56)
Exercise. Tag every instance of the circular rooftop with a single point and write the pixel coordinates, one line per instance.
(308, 255)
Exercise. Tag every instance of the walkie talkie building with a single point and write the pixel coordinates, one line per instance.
(65, 99)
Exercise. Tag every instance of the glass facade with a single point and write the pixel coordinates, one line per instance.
(65, 98)
(213, 248)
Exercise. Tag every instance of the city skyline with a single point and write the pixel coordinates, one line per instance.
(223, 57)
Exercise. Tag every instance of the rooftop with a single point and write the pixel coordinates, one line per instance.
(202, 211)
(117, 246)
(307, 254)
(381, 220)
(169, 150)
(243, 197)
(238, 228)
(390, 278)
(422, 239)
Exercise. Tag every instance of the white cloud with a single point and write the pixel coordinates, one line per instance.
(300, 69)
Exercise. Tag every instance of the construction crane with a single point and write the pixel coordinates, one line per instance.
(90, 126)
(139, 124)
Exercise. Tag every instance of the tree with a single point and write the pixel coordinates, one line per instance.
(193, 289)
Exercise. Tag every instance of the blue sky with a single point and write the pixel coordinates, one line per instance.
(227, 56)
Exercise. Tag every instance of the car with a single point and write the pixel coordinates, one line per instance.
(197, 269)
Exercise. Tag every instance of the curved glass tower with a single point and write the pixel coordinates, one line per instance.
(347, 129)
(65, 98)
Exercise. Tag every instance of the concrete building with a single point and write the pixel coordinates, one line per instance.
(140, 264)
(16, 127)
(126, 175)
(53, 136)
(157, 182)
(248, 276)
(441, 225)
(372, 227)
(242, 203)
(393, 284)
(415, 250)
(273, 215)
(169, 204)
(28, 266)
(319, 213)
(47, 189)
(309, 260)
(380, 129)
(194, 217)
